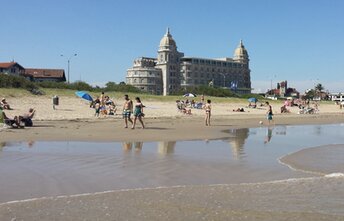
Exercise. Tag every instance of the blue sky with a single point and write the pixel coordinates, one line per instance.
(301, 41)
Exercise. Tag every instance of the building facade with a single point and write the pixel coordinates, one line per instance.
(177, 71)
(11, 68)
(40, 75)
(145, 75)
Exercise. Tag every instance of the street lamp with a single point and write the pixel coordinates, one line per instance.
(69, 59)
(224, 79)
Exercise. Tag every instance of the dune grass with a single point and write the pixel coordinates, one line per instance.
(50, 92)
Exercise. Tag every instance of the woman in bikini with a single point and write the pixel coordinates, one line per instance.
(207, 108)
(138, 112)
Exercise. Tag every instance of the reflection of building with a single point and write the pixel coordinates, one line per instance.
(166, 147)
(237, 142)
(171, 70)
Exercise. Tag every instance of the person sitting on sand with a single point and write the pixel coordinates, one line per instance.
(284, 109)
(27, 117)
(138, 113)
(8, 121)
(127, 110)
(4, 104)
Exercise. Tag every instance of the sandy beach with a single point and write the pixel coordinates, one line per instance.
(301, 198)
(74, 120)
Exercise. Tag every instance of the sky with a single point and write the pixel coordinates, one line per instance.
(301, 41)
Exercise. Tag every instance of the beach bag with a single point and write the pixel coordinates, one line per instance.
(28, 123)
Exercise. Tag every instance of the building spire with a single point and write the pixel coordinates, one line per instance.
(167, 32)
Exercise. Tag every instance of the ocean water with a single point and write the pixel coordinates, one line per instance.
(248, 155)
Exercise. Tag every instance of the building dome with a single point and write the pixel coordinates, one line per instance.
(240, 52)
(167, 40)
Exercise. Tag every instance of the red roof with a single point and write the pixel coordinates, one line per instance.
(45, 73)
(9, 64)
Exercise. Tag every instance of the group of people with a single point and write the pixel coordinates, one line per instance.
(137, 110)
(17, 121)
(103, 105)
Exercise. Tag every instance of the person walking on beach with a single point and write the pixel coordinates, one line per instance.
(138, 113)
(127, 110)
(269, 112)
(207, 108)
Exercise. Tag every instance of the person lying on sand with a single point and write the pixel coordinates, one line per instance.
(239, 110)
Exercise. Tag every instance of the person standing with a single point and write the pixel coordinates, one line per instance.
(269, 113)
(127, 110)
(138, 112)
(202, 98)
(207, 108)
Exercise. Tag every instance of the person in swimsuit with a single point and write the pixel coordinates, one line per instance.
(138, 112)
(207, 108)
(269, 112)
(127, 109)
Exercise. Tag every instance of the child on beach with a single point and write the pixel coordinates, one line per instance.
(207, 108)
(138, 113)
(269, 112)
(127, 109)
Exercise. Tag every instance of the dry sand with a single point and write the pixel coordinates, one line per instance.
(74, 120)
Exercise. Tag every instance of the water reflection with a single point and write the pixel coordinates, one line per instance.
(128, 146)
(166, 147)
(2, 145)
(237, 141)
(268, 134)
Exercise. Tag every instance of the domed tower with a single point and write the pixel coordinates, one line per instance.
(241, 57)
(168, 62)
(240, 54)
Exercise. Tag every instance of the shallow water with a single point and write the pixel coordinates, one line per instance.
(37, 169)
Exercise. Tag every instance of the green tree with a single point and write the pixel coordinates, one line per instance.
(319, 88)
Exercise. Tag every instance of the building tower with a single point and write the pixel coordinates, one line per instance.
(168, 61)
(241, 56)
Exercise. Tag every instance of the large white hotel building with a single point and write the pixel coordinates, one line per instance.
(171, 70)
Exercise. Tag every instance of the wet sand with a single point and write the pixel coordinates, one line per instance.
(305, 199)
(299, 199)
(319, 160)
(157, 129)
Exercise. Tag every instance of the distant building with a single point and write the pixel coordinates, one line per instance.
(33, 74)
(145, 75)
(11, 68)
(172, 71)
(282, 90)
(39, 75)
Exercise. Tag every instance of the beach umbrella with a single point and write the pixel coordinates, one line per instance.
(84, 95)
(189, 95)
(253, 100)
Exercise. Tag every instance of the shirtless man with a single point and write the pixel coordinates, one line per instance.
(127, 110)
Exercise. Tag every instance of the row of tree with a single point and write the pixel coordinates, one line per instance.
(9, 81)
